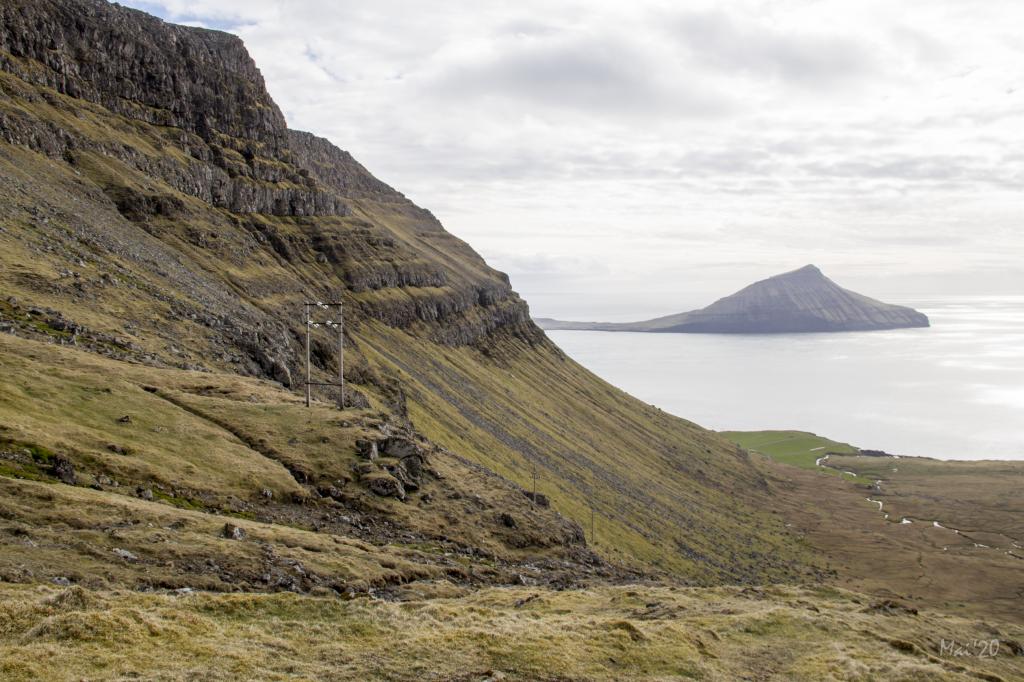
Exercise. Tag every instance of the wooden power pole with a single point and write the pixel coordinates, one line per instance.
(535, 484)
(339, 323)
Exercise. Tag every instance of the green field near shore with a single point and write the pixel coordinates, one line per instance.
(798, 448)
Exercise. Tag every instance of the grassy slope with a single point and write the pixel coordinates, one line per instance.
(215, 443)
(665, 491)
(514, 633)
(667, 494)
(917, 561)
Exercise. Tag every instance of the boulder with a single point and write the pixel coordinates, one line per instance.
(280, 372)
(386, 485)
(233, 532)
(409, 471)
(125, 554)
(539, 498)
(363, 469)
(367, 449)
(399, 447)
(64, 470)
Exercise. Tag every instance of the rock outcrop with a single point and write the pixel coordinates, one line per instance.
(153, 113)
(803, 300)
(158, 212)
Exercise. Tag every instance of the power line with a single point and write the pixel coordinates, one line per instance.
(339, 324)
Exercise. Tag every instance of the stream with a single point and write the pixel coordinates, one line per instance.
(822, 462)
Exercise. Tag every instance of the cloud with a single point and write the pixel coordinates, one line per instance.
(656, 140)
(591, 75)
(811, 60)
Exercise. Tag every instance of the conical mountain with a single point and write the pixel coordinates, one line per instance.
(803, 300)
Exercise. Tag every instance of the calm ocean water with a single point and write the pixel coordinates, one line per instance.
(953, 391)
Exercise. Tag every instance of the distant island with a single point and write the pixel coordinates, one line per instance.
(803, 300)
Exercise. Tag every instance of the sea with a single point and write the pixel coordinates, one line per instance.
(952, 391)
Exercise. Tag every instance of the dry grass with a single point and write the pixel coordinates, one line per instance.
(515, 633)
(919, 562)
(59, 531)
(981, 498)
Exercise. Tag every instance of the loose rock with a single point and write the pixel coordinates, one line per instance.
(64, 470)
(386, 486)
(233, 532)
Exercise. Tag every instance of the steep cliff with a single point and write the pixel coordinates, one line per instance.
(804, 300)
(158, 212)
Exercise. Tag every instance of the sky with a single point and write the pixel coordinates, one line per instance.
(645, 157)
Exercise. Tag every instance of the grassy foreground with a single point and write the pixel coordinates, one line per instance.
(630, 632)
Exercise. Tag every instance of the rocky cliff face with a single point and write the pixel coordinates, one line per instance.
(199, 87)
(158, 211)
(138, 66)
(115, 93)
(803, 300)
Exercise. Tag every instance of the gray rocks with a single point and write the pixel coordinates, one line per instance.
(399, 447)
(330, 492)
(385, 485)
(539, 499)
(367, 449)
(64, 470)
(125, 554)
(232, 532)
(408, 472)
(281, 373)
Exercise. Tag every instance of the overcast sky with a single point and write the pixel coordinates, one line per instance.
(673, 151)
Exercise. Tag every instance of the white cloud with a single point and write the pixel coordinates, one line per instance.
(877, 139)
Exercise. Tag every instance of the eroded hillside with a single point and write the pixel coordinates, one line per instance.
(158, 211)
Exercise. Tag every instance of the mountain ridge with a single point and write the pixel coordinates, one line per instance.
(480, 507)
(179, 232)
(799, 301)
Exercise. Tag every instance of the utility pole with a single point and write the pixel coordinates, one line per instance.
(535, 483)
(341, 355)
(308, 375)
(310, 325)
(593, 538)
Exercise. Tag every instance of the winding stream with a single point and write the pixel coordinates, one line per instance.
(821, 462)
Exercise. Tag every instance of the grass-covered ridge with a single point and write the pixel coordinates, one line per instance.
(171, 509)
(155, 275)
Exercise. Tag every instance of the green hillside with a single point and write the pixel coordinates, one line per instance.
(171, 509)
(108, 238)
